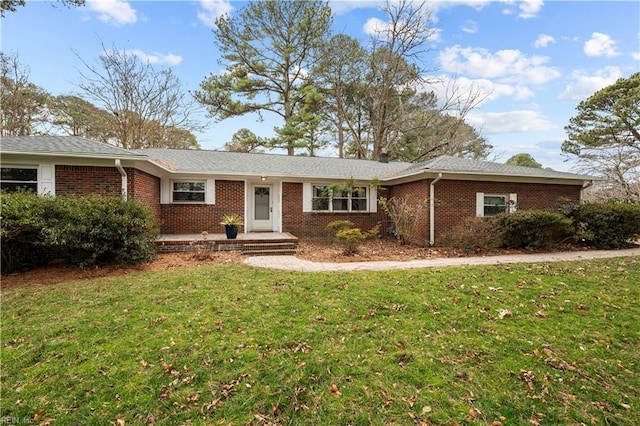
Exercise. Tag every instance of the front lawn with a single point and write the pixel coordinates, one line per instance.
(227, 344)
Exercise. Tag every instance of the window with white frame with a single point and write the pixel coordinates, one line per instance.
(494, 204)
(15, 178)
(325, 198)
(188, 191)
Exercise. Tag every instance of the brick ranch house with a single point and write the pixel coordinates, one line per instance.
(190, 190)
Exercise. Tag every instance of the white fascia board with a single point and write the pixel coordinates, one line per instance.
(491, 177)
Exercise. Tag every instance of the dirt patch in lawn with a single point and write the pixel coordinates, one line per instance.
(54, 274)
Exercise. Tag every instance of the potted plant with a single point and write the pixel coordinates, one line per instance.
(231, 223)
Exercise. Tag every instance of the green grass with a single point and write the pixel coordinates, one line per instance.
(229, 344)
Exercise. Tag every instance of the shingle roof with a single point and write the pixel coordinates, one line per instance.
(69, 145)
(242, 164)
(235, 163)
(457, 165)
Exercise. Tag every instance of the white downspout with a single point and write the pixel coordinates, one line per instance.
(123, 173)
(585, 185)
(432, 203)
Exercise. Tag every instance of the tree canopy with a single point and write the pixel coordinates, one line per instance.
(605, 135)
(146, 106)
(23, 103)
(267, 51)
(12, 5)
(524, 160)
(244, 140)
(279, 57)
(609, 117)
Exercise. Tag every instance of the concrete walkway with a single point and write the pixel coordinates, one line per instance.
(292, 263)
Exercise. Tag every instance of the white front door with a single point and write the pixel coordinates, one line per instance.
(262, 208)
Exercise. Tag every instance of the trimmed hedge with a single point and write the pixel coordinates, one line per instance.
(84, 231)
(533, 228)
(608, 225)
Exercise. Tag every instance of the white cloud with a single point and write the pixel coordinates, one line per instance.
(155, 58)
(527, 8)
(543, 40)
(530, 8)
(600, 45)
(493, 123)
(510, 65)
(484, 89)
(635, 56)
(375, 26)
(116, 12)
(380, 28)
(210, 10)
(470, 27)
(585, 85)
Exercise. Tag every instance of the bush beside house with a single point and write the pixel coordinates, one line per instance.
(532, 228)
(607, 225)
(83, 231)
(603, 226)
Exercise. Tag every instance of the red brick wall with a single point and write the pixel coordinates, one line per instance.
(86, 180)
(416, 192)
(145, 188)
(313, 225)
(456, 199)
(195, 218)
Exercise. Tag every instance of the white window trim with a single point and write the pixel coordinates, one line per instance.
(45, 176)
(307, 199)
(166, 196)
(512, 202)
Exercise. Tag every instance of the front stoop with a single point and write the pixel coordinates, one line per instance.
(249, 244)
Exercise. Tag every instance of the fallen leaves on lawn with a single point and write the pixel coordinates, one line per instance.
(226, 390)
(528, 377)
(334, 390)
(502, 313)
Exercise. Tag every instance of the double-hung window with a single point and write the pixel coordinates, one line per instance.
(494, 204)
(329, 199)
(188, 191)
(15, 178)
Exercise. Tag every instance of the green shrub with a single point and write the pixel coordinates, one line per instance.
(607, 225)
(349, 237)
(533, 228)
(474, 234)
(83, 230)
(23, 218)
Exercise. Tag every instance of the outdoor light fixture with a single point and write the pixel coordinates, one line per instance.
(263, 178)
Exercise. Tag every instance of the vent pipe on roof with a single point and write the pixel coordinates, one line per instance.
(384, 156)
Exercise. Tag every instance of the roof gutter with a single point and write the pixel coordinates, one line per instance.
(77, 155)
(432, 203)
(123, 173)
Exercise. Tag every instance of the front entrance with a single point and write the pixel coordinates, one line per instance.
(262, 208)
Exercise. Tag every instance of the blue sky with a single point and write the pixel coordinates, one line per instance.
(534, 60)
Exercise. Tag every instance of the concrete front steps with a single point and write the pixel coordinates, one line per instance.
(264, 248)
